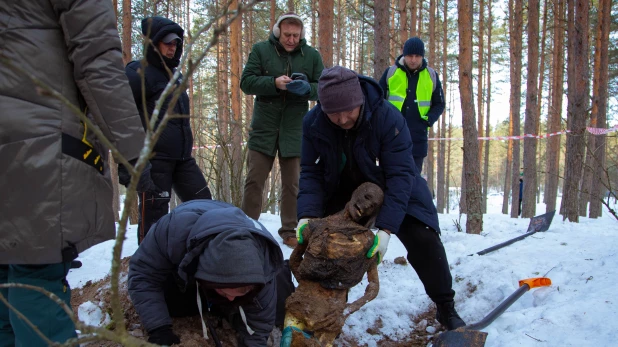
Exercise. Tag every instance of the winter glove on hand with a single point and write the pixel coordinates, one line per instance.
(124, 177)
(380, 245)
(302, 224)
(145, 183)
(299, 87)
(163, 336)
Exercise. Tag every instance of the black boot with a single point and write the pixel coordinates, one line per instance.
(447, 316)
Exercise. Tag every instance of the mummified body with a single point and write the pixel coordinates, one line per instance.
(331, 260)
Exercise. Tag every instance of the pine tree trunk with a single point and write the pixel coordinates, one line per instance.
(532, 117)
(474, 222)
(441, 191)
(479, 89)
(488, 103)
(413, 17)
(325, 23)
(381, 38)
(236, 129)
(577, 106)
(515, 39)
(555, 109)
(599, 106)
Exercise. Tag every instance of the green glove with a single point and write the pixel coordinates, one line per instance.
(380, 245)
(302, 224)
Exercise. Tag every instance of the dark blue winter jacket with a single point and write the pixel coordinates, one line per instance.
(176, 140)
(383, 153)
(417, 125)
(216, 242)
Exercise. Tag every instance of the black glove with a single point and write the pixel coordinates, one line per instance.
(163, 336)
(299, 76)
(299, 87)
(124, 177)
(145, 183)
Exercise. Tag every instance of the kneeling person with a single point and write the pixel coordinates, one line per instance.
(210, 250)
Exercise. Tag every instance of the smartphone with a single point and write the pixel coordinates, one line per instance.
(297, 75)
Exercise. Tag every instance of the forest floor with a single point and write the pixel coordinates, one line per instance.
(190, 331)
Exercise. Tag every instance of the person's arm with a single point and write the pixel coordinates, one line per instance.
(318, 66)
(311, 183)
(149, 268)
(437, 103)
(93, 44)
(252, 81)
(397, 165)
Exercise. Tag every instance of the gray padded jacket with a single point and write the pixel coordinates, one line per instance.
(216, 242)
(56, 190)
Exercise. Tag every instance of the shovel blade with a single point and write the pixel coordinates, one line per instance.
(460, 338)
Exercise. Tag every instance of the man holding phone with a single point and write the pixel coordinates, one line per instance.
(282, 72)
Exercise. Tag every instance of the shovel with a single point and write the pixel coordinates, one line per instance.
(469, 335)
(537, 224)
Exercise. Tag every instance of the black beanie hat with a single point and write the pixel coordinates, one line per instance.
(339, 90)
(414, 45)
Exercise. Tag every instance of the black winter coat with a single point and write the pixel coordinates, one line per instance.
(176, 141)
(216, 242)
(383, 153)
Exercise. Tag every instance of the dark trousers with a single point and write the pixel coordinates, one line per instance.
(258, 167)
(45, 314)
(184, 176)
(427, 256)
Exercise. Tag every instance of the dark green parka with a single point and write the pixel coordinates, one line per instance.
(278, 114)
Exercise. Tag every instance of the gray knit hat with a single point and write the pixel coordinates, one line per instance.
(339, 90)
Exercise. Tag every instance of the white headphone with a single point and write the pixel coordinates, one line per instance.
(277, 30)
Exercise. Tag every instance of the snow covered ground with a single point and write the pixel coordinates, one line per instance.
(578, 309)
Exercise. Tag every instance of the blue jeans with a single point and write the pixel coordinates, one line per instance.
(45, 314)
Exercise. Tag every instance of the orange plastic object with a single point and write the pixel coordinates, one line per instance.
(536, 282)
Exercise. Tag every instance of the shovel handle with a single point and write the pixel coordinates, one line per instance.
(525, 285)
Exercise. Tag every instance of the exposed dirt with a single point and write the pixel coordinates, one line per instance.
(190, 331)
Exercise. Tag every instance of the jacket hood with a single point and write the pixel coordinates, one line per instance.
(156, 28)
(225, 246)
(400, 62)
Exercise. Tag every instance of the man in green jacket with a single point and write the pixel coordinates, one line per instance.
(282, 72)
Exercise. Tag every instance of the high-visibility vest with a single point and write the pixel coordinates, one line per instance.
(397, 81)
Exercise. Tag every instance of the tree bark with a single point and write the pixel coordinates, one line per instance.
(441, 192)
(325, 23)
(599, 106)
(381, 40)
(515, 43)
(403, 23)
(431, 59)
(532, 117)
(413, 17)
(236, 130)
(479, 90)
(488, 103)
(555, 109)
(577, 107)
(474, 222)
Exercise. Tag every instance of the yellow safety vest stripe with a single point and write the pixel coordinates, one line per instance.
(398, 85)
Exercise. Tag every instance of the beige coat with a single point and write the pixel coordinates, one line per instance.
(51, 202)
